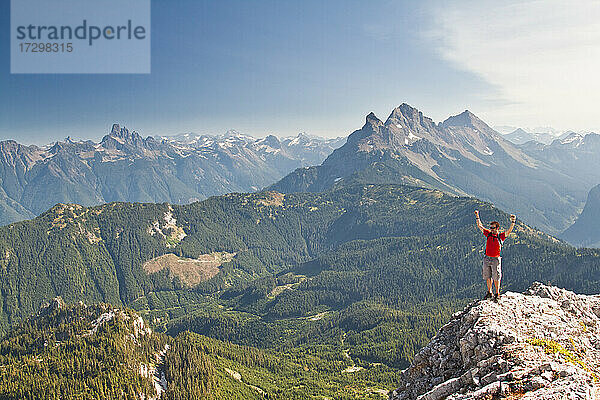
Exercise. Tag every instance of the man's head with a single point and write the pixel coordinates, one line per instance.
(494, 226)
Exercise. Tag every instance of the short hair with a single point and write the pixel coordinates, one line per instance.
(496, 223)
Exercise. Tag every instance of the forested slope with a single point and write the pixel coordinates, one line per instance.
(373, 269)
(101, 352)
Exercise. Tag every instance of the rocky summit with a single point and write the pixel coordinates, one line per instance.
(542, 344)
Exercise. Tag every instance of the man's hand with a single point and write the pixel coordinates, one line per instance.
(513, 219)
(477, 221)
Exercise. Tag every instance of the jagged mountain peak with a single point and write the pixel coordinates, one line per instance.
(121, 131)
(409, 116)
(371, 127)
(406, 110)
(518, 131)
(271, 141)
(572, 138)
(371, 119)
(540, 344)
(12, 146)
(122, 135)
(299, 139)
(465, 118)
(368, 138)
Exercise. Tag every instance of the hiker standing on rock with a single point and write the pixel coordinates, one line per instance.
(492, 262)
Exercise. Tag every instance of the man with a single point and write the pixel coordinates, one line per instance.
(492, 262)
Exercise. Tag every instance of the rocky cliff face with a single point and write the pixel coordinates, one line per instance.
(542, 344)
(585, 230)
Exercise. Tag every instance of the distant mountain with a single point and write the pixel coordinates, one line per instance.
(520, 136)
(586, 229)
(570, 140)
(504, 129)
(461, 155)
(566, 134)
(308, 149)
(575, 155)
(545, 129)
(124, 166)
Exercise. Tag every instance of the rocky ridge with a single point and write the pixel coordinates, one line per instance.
(542, 344)
(68, 326)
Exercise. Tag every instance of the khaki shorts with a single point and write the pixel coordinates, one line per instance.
(492, 268)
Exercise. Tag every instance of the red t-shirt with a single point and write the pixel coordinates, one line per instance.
(492, 246)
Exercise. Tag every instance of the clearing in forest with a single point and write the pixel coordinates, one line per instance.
(190, 271)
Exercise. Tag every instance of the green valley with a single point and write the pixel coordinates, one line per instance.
(356, 279)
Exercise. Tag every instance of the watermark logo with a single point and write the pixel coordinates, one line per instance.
(80, 36)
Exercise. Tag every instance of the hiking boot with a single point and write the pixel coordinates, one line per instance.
(496, 297)
(488, 295)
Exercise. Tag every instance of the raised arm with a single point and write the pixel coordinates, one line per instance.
(513, 218)
(478, 221)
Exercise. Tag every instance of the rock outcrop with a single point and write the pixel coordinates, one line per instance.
(542, 344)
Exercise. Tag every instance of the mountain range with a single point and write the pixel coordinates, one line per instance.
(545, 135)
(574, 155)
(124, 166)
(546, 185)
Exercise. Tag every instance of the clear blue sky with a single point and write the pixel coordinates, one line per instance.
(264, 67)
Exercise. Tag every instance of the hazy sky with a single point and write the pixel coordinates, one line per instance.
(283, 67)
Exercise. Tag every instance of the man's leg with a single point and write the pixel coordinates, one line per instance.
(486, 272)
(497, 275)
(497, 284)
